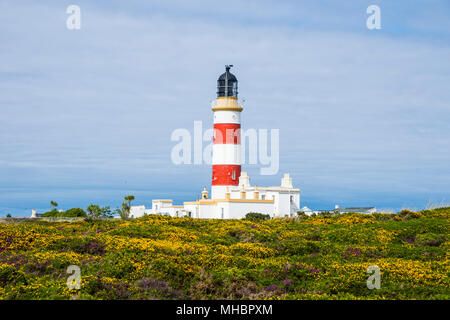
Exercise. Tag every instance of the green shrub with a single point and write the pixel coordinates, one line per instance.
(408, 214)
(10, 275)
(383, 216)
(74, 212)
(157, 257)
(255, 216)
(71, 213)
(301, 214)
(51, 213)
(429, 239)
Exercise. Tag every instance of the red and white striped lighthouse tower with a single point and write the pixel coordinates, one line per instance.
(226, 158)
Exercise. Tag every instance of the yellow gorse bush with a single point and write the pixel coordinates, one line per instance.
(324, 257)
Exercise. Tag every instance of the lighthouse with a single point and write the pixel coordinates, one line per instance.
(232, 195)
(226, 158)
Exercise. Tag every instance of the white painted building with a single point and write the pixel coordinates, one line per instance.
(276, 201)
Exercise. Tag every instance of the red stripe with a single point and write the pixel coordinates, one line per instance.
(227, 133)
(222, 175)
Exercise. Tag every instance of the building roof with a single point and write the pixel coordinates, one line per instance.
(272, 188)
(355, 208)
(227, 75)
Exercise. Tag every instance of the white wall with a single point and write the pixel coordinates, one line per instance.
(238, 210)
(137, 211)
(284, 204)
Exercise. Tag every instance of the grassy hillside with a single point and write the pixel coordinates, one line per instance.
(157, 257)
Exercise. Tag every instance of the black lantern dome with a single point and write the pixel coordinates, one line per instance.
(227, 84)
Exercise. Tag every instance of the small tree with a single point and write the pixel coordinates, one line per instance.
(8, 215)
(105, 212)
(53, 205)
(125, 212)
(126, 207)
(128, 199)
(95, 211)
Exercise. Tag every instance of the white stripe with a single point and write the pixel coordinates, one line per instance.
(226, 154)
(227, 117)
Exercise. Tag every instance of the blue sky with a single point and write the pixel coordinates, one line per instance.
(86, 116)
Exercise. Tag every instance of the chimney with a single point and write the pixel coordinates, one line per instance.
(256, 193)
(286, 181)
(243, 196)
(227, 194)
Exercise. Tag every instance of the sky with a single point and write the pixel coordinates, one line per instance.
(87, 115)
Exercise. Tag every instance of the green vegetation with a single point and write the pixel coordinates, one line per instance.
(126, 206)
(71, 213)
(53, 204)
(254, 216)
(159, 257)
(74, 212)
(95, 211)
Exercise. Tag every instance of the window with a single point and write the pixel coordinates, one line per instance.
(292, 199)
(234, 175)
(263, 197)
(156, 207)
(222, 213)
